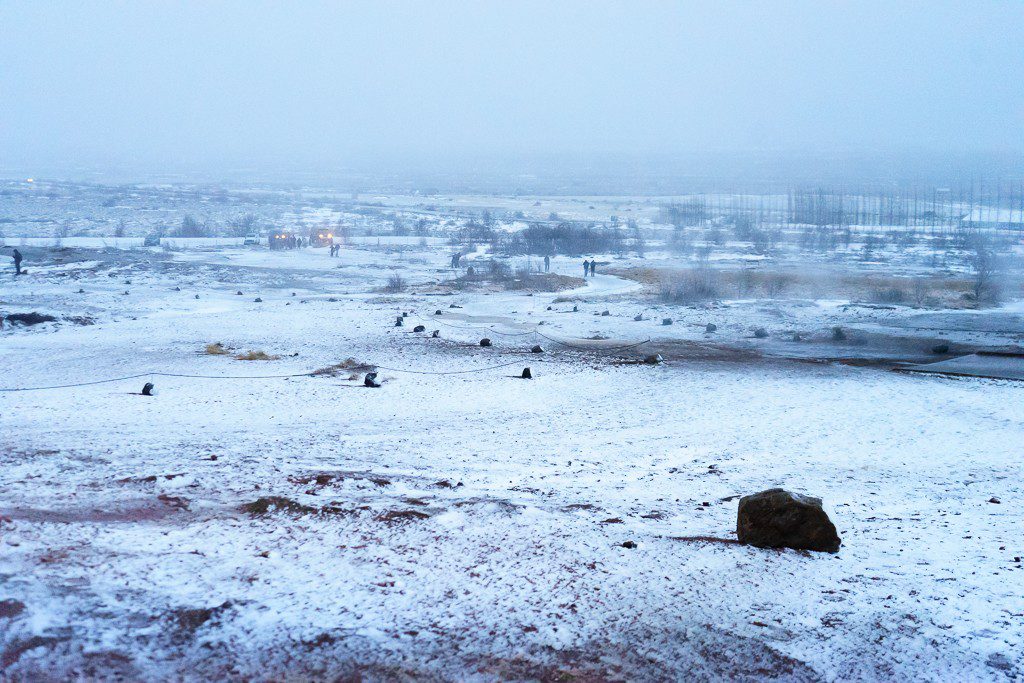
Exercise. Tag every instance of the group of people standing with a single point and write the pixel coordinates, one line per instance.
(335, 249)
(589, 267)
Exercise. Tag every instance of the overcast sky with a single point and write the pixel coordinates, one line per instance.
(283, 82)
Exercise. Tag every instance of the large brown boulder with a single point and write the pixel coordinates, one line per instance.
(777, 518)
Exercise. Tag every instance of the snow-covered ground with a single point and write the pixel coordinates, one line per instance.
(470, 526)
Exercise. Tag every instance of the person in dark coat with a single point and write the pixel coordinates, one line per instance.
(17, 262)
(593, 267)
(547, 264)
(586, 267)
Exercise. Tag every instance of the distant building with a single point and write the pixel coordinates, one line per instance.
(992, 217)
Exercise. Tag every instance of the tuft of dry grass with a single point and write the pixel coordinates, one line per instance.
(255, 355)
(216, 349)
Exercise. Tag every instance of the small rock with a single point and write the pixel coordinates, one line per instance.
(238, 293)
(654, 359)
(437, 312)
(777, 518)
(537, 348)
(761, 333)
(838, 334)
(995, 500)
(197, 296)
(435, 334)
(638, 317)
(258, 300)
(147, 389)
(526, 374)
(575, 309)
(399, 322)
(420, 328)
(629, 544)
(666, 321)
(711, 327)
(605, 313)
(371, 380)
(485, 342)
(940, 348)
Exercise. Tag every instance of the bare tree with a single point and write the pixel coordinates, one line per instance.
(985, 264)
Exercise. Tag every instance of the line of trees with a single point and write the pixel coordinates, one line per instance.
(571, 239)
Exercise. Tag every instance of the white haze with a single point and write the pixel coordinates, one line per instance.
(233, 83)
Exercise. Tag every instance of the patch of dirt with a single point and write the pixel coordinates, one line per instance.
(392, 516)
(349, 366)
(268, 504)
(147, 510)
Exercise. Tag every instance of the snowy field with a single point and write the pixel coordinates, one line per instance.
(470, 526)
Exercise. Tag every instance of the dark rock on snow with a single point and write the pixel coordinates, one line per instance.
(29, 318)
(419, 328)
(777, 518)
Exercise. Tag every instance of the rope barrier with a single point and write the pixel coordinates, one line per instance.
(539, 334)
(298, 374)
(450, 372)
(153, 374)
(470, 328)
(591, 348)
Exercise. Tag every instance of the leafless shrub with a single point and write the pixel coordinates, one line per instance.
(920, 291)
(696, 285)
(888, 295)
(396, 283)
(776, 283)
